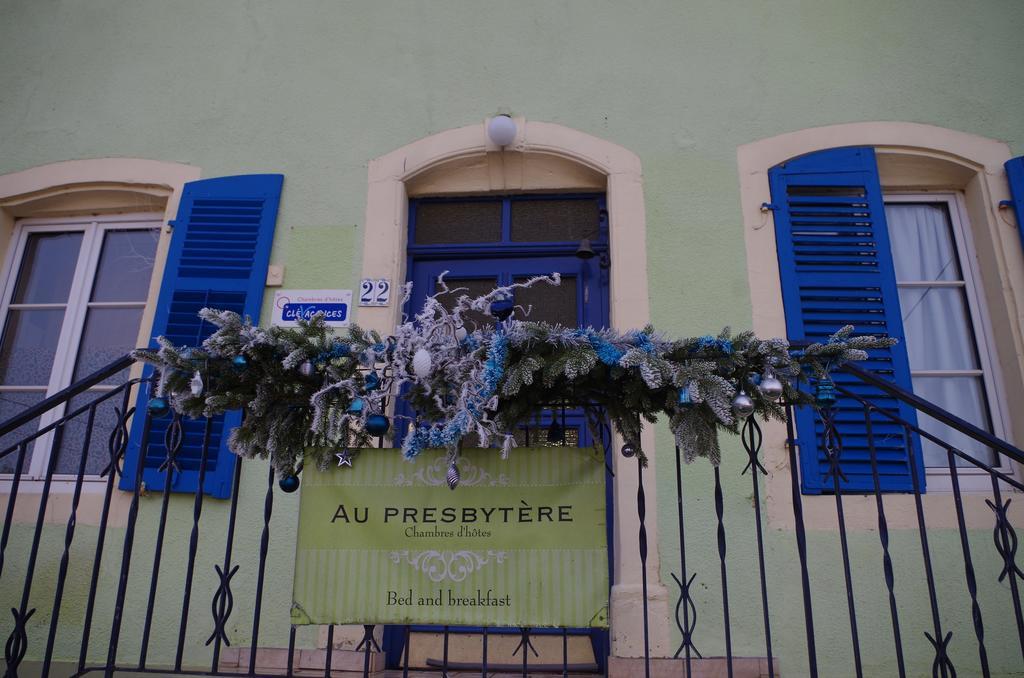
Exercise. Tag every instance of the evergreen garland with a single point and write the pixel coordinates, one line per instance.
(307, 390)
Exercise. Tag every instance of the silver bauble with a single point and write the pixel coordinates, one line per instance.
(461, 332)
(742, 405)
(422, 364)
(770, 387)
(452, 476)
(628, 450)
(196, 385)
(306, 369)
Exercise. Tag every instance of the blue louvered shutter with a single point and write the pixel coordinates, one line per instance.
(218, 258)
(836, 268)
(1015, 175)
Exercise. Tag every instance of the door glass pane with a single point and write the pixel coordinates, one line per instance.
(28, 346)
(964, 397)
(554, 220)
(73, 436)
(937, 328)
(922, 241)
(109, 334)
(125, 266)
(457, 222)
(47, 268)
(11, 404)
(471, 287)
(555, 304)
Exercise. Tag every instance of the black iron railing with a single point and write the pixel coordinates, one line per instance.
(125, 576)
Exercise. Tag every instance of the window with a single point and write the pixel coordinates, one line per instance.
(73, 296)
(951, 363)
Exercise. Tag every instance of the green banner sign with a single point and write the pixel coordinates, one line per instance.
(520, 542)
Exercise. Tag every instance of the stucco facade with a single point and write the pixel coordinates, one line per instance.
(675, 110)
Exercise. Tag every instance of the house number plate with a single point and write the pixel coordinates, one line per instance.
(374, 292)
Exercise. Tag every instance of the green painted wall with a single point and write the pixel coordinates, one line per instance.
(316, 89)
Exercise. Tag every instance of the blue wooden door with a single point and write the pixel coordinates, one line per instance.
(580, 300)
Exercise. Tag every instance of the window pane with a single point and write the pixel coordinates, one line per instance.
(554, 220)
(964, 397)
(28, 346)
(73, 436)
(471, 287)
(47, 268)
(125, 266)
(937, 328)
(109, 334)
(537, 436)
(555, 304)
(922, 242)
(11, 404)
(455, 222)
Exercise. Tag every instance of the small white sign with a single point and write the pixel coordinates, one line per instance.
(291, 305)
(374, 292)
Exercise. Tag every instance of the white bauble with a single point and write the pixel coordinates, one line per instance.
(461, 332)
(421, 363)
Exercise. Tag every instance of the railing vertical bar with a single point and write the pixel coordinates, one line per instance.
(685, 602)
(223, 599)
(483, 662)
(12, 497)
(17, 643)
(720, 513)
(116, 446)
(801, 542)
(268, 509)
(290, 669)
(329, 652)
(405, 651)
(69, 535)
(940, 643)
(126, 553)
(834, 451)
(444, 658)
(752, 439)
(193, 544)
(526, 650)
(641, 511)
(172, 445)
(972, 582)
(883, 536)
(1006, 545)
(565, 652)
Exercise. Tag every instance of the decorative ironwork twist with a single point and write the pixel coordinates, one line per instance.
(17, 643)
(1005, 539)
(832, 444)
(525, 640)
(117, 443)
(751, 438)
(691, 617)
(223, 602)
(369, 643)
(941, 664)
(173, 438)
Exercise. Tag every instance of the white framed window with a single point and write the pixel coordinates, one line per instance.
(72, 299)
(952, 356)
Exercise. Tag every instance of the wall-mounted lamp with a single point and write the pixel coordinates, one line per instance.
(501, 129)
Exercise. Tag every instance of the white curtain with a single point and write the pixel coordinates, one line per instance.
(936, 322)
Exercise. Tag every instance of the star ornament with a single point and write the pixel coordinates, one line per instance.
(344, 458)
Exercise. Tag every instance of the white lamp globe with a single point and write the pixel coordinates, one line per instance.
(501, 130)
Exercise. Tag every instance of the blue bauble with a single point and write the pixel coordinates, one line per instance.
(158, 406)
(372, 381)
(377, 424)
(825, 394)
(502, 308)
(684, 396)
(239, 362)
(288, 483)
(356, 406)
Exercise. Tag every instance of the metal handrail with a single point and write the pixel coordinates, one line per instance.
(65, 394)
(936, 412)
